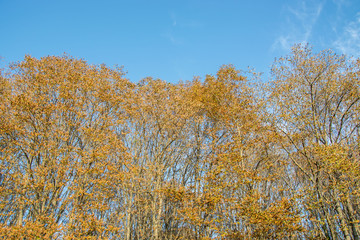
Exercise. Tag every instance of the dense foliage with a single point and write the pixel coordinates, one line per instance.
(87, 154)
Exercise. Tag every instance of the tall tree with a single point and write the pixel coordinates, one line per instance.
(316, 107)
(59, 148)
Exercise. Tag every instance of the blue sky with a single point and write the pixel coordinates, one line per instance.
(176, 40)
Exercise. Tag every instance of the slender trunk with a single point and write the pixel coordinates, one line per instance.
(324, 209)
(157, 214)
(157, 204)
(344, 227)
(128, 224)
(128, 215)
(157, 211)
(20, 216)
(354, 224)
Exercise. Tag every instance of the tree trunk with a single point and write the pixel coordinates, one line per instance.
(344, 227)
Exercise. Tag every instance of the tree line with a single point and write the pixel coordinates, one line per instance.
(87, 154)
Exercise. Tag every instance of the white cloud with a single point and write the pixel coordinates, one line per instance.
(283, 42)
(173, 18)
(349, 40)
(340, 3)
(175, 32)
(298, 26)
(171, 37)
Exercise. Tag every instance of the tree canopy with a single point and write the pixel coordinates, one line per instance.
(87, 154)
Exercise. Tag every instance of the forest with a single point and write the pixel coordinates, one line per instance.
(87, 154)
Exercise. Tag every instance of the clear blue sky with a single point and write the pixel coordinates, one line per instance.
(176, 40)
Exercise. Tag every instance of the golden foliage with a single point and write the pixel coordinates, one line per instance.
(86, 154)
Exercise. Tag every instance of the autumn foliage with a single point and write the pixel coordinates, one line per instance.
(87, 154)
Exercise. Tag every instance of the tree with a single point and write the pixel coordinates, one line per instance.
(60, 154)
(86, 154)
(315, 105)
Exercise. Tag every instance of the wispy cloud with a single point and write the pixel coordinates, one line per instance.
(184, 22)
(173, 18)
(298, 26)
(340, 3)
(348, 41)
(176, 31)
(172, 38)
(169, 34)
